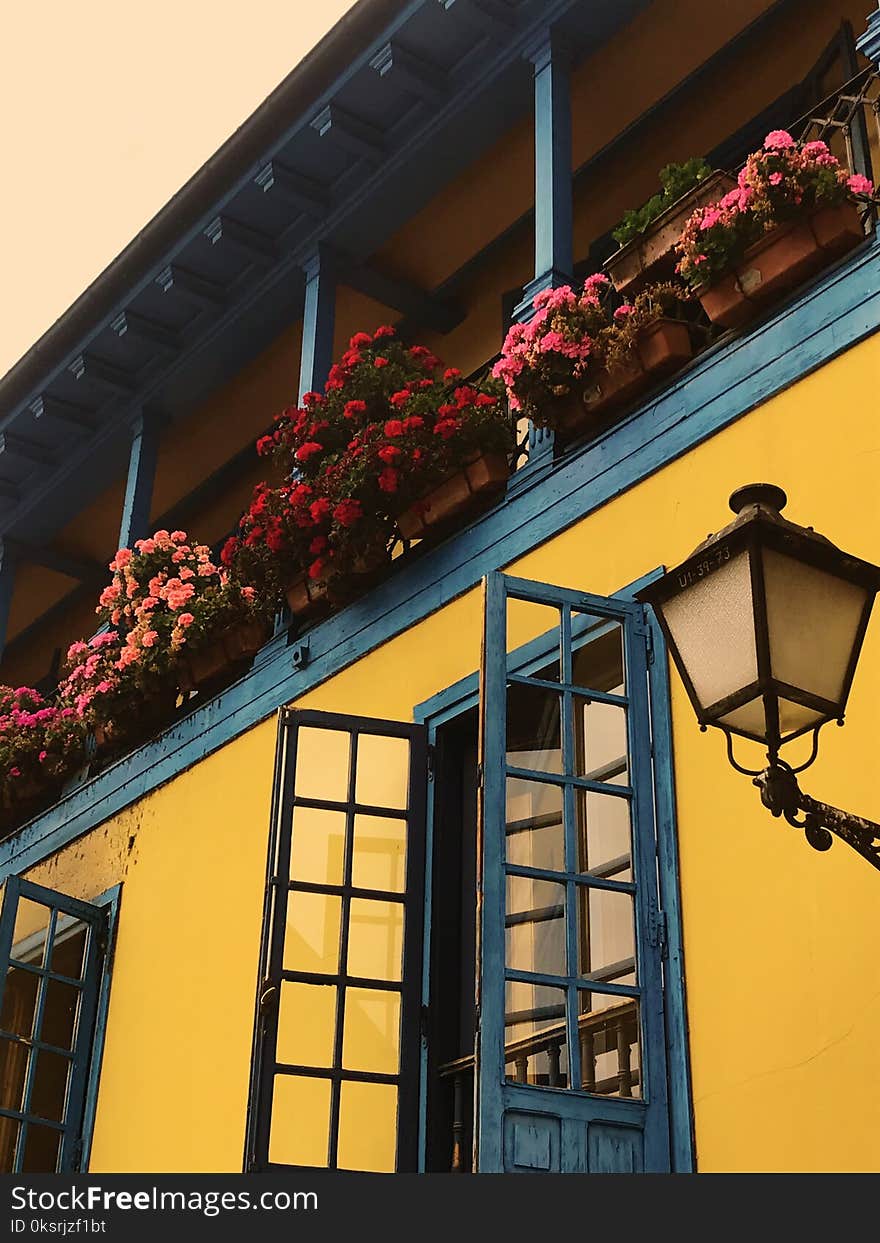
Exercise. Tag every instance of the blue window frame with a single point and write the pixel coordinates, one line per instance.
(54, 992)
(563, 1085)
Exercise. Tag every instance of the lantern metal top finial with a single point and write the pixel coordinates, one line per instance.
(767, 495)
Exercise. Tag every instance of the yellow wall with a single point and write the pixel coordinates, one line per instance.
(782, 975)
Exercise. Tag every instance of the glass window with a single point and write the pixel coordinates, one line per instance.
(54, 949)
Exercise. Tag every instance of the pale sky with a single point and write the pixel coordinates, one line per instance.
(107, 109)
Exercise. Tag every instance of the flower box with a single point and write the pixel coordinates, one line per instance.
(148, 718)
(21, 802)
(305, 595)
(651, 255)
(198, 668)
(780, 261)
(455, 496)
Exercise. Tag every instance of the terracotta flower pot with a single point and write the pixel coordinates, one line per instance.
(242, 642)
(455, 495)
(611, 388)
(22, 799)
(196, 668)
(651, 255)
(153, 714)
(780, 261)
(306, 595)
(838, 229)
(664, 346)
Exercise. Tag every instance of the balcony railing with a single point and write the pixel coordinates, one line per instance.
(613, 1029)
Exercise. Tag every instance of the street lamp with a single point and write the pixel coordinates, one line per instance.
(765, 623)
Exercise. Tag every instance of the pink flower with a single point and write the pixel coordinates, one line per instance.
(185, 619)
(623, 311)
(150, 638)
(248, 593)
(778, 140)
(179, 537)
(146, 546)
(860, 184)
(42, 756)
(775, 179)
(15, 772)
(121, 559)
(596, 283)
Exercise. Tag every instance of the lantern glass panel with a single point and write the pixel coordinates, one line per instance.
(813, 620)
(711, 622)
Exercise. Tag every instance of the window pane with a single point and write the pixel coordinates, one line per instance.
(300, 1121)
(604, 835)
(49, 1093)
(526, 621)
(379, 860)
(367, 1127)
(609, 1036)
(534, 824)
(598, 664)
(533, 737)
(29, 936)
(306, 1024)
(375, 939)
(535, 925)
(13, 1068)
(68, 949)
(600, 742)
(372, 1031)
(606, 934)
(9, 1130)
(382, 771)
(535, 1040)
(41, 1150)
(317, 848)
(322, 764)
(311, 942)
(19, 1002)
(59, 1015)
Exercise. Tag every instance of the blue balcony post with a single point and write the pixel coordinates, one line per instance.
(143, 455)
(869, 42)
(319, 316)
(7, 586)
(554, 245)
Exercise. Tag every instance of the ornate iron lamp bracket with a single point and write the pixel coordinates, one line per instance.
(782, 796)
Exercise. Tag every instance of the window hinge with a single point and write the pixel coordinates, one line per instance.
(268, 996)
(424, 1022)
(432, 761)
(649, 644)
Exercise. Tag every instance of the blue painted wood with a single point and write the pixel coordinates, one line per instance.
(108, 902)
(817, 325)
(144, 453)
(868, 43)
(531, 1114)
(554, 246)
(319, 319)
(7, 588)
(677, 1038)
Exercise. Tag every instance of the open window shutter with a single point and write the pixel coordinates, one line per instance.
(571, 1067)
(51, 952)
(336, 1057)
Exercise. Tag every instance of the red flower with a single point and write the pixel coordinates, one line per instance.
(319, 509)
(401, 398)
(230, 548)
(359, 340)
(312, 399)
(385, 330)
(388, 479)
(348, 512)
(300, 494)
(354, 407)
(380, 362)
(389, 453)
(483, 399)
(451, 373)
(274, 536)
(413, 423)
(316, 569)
(309, 449)
(318, 544)
(394, 427)
(265, 445)
(446, 428)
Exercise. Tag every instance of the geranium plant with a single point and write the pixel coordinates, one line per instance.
(676, 180)
(564, 339)
(663, 300)
(784, 181)
(390, 423)
(167, 595)
(40, 743)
